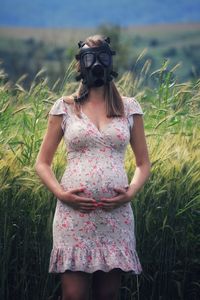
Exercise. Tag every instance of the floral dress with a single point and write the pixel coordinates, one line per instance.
(98, 240)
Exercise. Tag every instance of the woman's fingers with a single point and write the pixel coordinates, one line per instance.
(83, 207)
(109, 204)
(112, 200)
(119, 190)
(84, 199)
(86, 204)
(115, 201)
(76, 190)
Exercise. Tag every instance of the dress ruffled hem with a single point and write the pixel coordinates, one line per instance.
(90, 260)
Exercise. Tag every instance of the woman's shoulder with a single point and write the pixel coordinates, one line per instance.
(61, 105)
(68, 99)
(127, 100)
(131, 105)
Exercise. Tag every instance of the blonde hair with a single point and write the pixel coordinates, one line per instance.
(113, 100)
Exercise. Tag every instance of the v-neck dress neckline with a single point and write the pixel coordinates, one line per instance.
(105, 127)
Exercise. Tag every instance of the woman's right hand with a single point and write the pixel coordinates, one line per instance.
(81, 203)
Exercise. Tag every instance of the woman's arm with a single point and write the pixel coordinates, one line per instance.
(48, 148)
(139, 147)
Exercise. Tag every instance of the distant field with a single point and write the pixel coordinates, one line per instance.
(64, 36)
(27, 50)
(52, 36)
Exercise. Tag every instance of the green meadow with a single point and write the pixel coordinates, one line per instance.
(166, 209)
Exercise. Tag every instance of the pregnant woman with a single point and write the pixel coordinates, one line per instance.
(93, 227)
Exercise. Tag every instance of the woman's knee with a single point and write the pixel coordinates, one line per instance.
(75, 294)
(75, 285)
(106, 285)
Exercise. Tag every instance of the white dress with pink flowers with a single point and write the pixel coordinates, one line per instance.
(98, 240)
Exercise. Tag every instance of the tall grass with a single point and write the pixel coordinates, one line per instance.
(167, 219)
(166, 209)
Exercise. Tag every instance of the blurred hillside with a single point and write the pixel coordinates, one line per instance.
(26, 51)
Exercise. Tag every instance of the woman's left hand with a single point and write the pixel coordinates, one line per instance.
(122, 198)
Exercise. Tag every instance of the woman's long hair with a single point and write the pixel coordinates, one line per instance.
(113, 100)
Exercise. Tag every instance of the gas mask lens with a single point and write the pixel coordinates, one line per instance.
(88, 59)
(104, 58)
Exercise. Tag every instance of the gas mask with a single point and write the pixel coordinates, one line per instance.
(96, 64)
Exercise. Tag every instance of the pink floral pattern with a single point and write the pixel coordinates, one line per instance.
(98, 240)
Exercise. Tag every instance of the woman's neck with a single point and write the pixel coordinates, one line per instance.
(96, 94)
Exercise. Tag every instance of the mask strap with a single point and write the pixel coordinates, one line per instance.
(81, 44)
(107, 40)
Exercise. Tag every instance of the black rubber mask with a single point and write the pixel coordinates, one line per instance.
(95, 65)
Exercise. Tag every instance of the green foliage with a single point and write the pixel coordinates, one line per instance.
(166, 210)
(167, 217)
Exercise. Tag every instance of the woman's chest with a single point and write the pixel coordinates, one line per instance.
(83, 131)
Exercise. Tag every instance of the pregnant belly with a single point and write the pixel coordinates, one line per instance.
(98, 182)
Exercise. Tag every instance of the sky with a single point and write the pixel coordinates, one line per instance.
(81, 13)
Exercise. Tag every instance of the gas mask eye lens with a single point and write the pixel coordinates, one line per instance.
(88, 59)
(104, 58)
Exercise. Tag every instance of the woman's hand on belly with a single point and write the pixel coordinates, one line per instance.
(122, 198)
(81, 203)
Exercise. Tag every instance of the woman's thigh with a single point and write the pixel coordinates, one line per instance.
(106, 285)
(75, 285)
